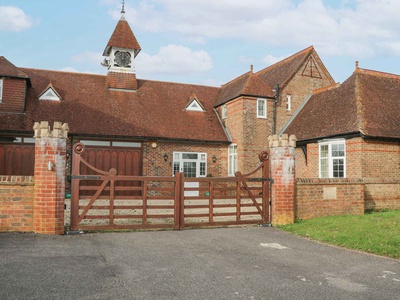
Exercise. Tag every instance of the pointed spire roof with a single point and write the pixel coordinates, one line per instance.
(9, 70)
(122, 37)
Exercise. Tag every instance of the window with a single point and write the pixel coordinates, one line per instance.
(194, 106)
(332, 159)
(232, 160)
(190, 163)
(288, 102)
(261, 108)
(1, 90)
(223, 111)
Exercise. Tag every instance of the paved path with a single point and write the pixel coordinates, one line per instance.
(225, 263)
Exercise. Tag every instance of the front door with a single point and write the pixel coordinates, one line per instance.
(192, 164)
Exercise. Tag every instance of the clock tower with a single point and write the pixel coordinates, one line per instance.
(120, 53)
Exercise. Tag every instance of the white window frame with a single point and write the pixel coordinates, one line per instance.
(201, 161)
(288, 102)
(232, 159)
(1, 90)
(223, 112)
(263, 115)
(330, 159)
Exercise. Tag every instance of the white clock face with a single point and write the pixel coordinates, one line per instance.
(122, 59)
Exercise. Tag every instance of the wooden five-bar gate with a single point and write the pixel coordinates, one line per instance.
(141, 202)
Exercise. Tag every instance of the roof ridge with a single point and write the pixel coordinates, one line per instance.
(377, 73)
(61, 71)
(291, 57)
(359, 104)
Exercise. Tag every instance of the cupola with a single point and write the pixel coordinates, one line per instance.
(120, 53)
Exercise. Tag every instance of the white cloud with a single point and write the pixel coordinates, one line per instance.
(174, 59)
(359, 28)
(13, 18)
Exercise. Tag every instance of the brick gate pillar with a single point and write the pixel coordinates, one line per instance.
(49, 191)
(282, 154)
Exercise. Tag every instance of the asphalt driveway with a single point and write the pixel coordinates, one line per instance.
(224, 263)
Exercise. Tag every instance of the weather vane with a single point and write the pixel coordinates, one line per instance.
(123, 7)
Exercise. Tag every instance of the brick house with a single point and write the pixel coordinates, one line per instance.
(153, 128)
(147, 127)
(352, 131)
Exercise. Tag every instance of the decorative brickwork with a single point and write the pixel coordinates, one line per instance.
(282, 153)
(50, 154)
(16, 203)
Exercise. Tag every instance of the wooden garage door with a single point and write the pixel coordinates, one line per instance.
(128, 162)
(17, 159)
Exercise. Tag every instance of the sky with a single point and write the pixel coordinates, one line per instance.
(207, 42)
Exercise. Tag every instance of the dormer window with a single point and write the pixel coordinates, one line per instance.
(194, 105)
(50, 94)
(1, 90)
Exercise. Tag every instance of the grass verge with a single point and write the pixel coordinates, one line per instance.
(374, 232)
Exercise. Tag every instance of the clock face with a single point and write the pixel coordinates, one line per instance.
(122, 59)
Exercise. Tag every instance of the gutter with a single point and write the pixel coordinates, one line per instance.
(277, 95)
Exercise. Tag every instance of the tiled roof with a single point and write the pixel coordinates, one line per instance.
(248, 84)
(367, 103)
(122, 37)
(9, 70)
(90, 108)
(281, 72)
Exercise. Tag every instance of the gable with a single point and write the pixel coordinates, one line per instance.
(50, 94)
(194, 105)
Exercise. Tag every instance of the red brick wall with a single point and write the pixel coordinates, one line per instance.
(382, 193)
(364, 159)
(322, 197)
(49, 194)
(16, 203)
(154, 164)
(14, 91)
(247, 131)
(375, 163)
(283, 188)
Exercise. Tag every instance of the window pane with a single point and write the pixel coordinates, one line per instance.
(176, 156)
(189, 169)
(260, 108)
(324, 168)
(203, 157)
(189, 155)
(324, 150)
(338, 168)
(176, 166)
(202, 169)
(338, 150)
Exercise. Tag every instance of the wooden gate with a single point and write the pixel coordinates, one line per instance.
(160, 202)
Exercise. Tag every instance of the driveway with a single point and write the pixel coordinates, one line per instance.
(224, 263)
